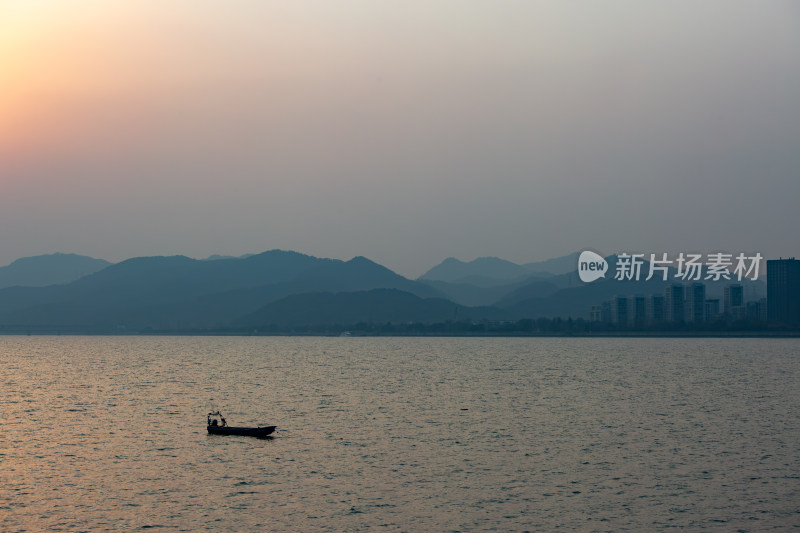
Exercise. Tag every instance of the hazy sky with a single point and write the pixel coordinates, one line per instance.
(406, 132)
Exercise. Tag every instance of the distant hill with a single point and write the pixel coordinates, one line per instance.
(52, 269)
(490, 281)
(347, 308)
(555, 266)
(481, 272)
(180, 292)
(531, 289)
(214, 257)
(576, 301)
(471, 295)
(284, 287)
(489, 272)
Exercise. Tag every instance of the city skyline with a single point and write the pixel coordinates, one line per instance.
(687, 302)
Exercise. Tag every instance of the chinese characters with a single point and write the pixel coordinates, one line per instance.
(689, 267)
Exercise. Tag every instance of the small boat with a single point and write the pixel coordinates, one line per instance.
(217, 428)
(262, 431)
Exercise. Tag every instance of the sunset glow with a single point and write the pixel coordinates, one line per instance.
(282, 111)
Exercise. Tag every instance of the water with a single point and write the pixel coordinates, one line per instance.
(400, 434)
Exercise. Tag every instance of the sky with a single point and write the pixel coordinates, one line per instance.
(406, 132)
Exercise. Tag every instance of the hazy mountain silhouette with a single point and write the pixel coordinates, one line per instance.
(576, 302)
(531, 289)
(52, 269)
(214, 257)
(480, 272)
(180, 292)
(491, 272)
(373, 306)
(555, 266)
(183, 293)
(471, 295)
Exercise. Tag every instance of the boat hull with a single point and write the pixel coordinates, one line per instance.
(250, 432)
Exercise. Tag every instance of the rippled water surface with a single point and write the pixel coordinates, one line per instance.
(400, 434)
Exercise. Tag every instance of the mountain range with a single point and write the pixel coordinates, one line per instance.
(493, 271)
(284, 289)
(51, 269)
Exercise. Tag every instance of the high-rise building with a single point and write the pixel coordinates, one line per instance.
(712, 308)
(674, 300)
(757, 310)
(783, 290)
(762, 309)
(620, 310)
(695, 303)
(637, 310)
(656, 312)
(605, 312)
(733, 301)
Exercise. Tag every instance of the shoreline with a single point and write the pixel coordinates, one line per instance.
(356, 334)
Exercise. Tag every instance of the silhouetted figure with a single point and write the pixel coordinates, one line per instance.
(224, 422)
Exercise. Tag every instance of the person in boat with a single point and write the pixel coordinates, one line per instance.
(224, 422)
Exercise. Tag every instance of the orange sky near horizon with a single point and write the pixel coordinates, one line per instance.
(118, 82)
(72, 70)
(75, 75)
